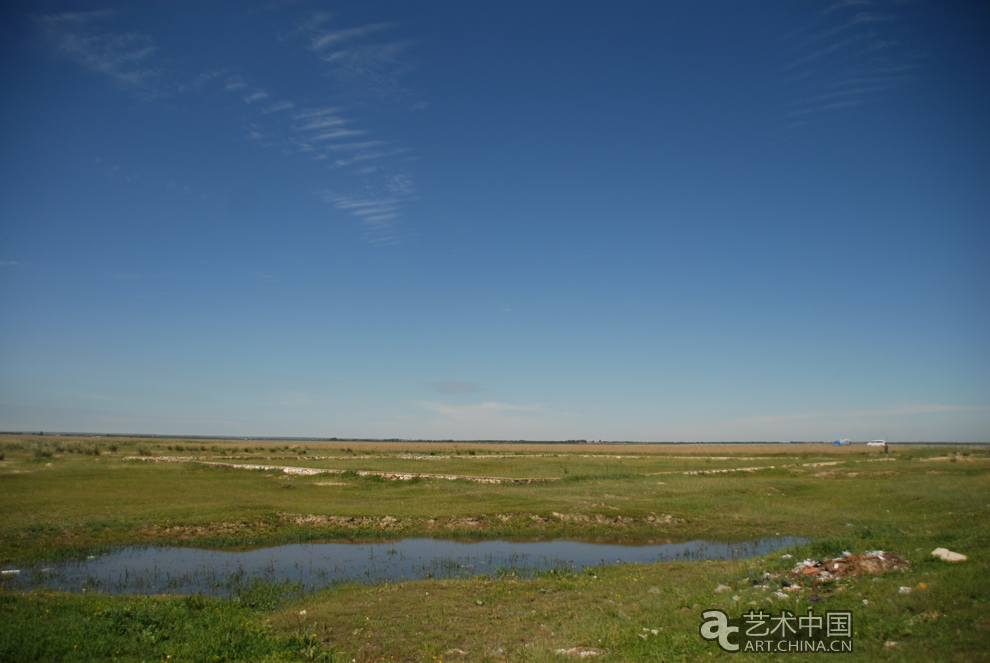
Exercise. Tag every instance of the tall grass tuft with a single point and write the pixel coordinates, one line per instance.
(42, 450)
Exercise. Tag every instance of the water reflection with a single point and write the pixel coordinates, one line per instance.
(175, 570)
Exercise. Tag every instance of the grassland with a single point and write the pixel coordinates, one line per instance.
(63, 497)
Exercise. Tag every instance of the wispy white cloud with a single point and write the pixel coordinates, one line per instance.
(324, 39)
(845, 4)
(331, 130)
(204, 79)
(257, 95)
(318, 118)
(365, 175)
(372, 70)
(847, 57)
(278, 107)
(126, 57)
(365, 207)
(377, 212)
(358, 145)
(338, 134)
(365, 66)
(368, 155)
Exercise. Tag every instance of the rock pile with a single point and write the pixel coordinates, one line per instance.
(849, 565)
(811, 573)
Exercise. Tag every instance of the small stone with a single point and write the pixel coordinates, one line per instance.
(722, 588)
(948, 556)
(890, 644)
(653, 590)
(579, 652)
(904, 590)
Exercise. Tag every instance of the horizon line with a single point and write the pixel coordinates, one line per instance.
(298, 438)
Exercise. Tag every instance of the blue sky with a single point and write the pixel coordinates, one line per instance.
(508, 220)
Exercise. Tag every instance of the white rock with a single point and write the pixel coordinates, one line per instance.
(948, 556)
(722, 588)
(575, 651)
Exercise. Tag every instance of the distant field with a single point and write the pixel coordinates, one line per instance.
(109, 493)
(67, 496)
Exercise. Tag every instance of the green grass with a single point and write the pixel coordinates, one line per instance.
(47, 626)
(615, 609)
(65, 497)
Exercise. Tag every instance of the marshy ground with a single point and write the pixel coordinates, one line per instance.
(63, 497)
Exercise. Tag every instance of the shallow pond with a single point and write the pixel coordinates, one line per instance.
(176, 570)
